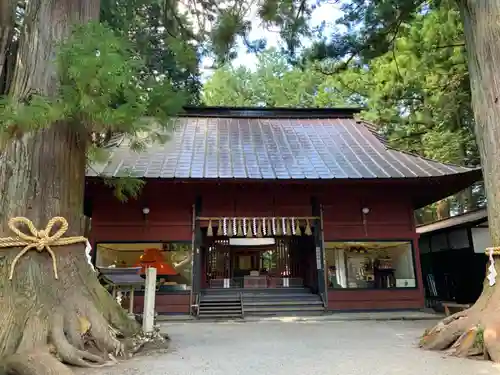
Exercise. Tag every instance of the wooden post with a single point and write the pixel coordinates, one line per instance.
(131, 301)
(320, 249)
(149, 301)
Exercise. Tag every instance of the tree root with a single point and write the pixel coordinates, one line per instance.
(36, 363)
(472, 333)
(467, 344)
(67, 352)
(47, 324)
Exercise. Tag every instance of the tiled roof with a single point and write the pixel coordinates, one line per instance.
(239, 147)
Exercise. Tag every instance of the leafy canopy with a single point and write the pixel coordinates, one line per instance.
(99, 89)
(417, 93)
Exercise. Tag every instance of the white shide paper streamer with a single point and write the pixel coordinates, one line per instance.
(88, 249)
(492, 274)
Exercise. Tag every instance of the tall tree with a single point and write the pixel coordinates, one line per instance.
(372, 26)
(274, 83)
(68, 85)
(418, 94)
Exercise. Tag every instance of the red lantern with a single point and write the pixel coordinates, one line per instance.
(153, 258)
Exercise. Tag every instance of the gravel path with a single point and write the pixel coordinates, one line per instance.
(289, 348)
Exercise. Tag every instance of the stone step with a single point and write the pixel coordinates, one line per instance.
(283, 308)
(220, 316)
(219, 307)
(283, 313)
(284, 303)
(282, 297)
(219, 299)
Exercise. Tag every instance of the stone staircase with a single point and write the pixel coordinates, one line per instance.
(220, 306)
(238, 303)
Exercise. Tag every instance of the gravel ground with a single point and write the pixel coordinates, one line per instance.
(288, 347)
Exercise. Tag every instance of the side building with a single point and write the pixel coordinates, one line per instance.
(452, 253)
(271, 210)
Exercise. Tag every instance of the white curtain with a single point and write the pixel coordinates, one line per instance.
(340, 271)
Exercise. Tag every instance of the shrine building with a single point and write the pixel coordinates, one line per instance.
(266, 211)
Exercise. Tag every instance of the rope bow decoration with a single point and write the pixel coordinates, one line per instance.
(39, 240)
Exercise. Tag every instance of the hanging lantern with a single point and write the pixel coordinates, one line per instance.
(239, 229)
(259, 227)
(210, 232)
(220, 229)
(308, 230)
(249, 229)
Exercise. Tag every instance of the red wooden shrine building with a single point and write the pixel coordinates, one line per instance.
(252, 200)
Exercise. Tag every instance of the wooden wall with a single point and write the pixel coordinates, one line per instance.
(170, 219)
(165, 303)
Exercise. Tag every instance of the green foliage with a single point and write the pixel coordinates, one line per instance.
(125, 187)
(162, 37)
(38, 113)
(417, 92)
(99, 89)
(370, 27)
(99, 81)
(274, 83)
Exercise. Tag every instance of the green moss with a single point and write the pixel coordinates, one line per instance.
(479, 339)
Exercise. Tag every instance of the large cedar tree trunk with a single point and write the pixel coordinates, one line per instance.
(476, 331)
(44, 321)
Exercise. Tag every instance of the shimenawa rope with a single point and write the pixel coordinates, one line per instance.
(39, 240)
(493, 250)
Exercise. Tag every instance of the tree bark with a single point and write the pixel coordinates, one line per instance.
(482, 32)
(42, 175)
(476, 331)
(7, 24)
(443, 209)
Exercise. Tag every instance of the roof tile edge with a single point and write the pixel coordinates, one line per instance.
(268, 112)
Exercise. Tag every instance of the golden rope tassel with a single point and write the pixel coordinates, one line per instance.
(269, 230)
(259, 228)
(210, 231)
(220, 231)
(278, 226)
(230, 227)
(239, 230)
(308, 231)
(39, 239)
(298, 232)
(249, 228)
(288, 227)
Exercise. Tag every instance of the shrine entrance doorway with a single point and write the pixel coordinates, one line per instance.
(247, 263)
